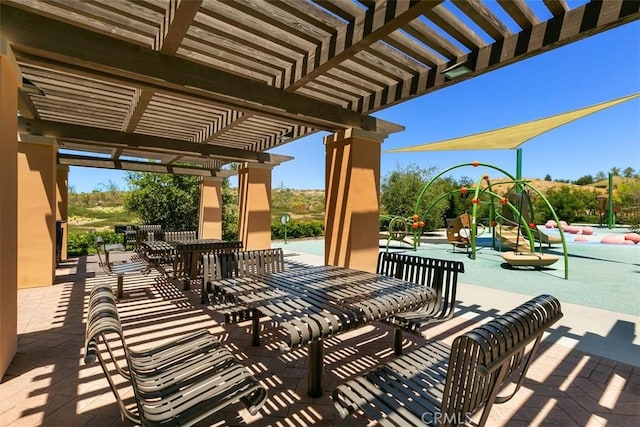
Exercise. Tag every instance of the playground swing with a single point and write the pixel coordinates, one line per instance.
(526, 259)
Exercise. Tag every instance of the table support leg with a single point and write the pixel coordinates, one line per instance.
(255, 328)
(194, 264)
(397, 342)
(316, 368)
(120, 290)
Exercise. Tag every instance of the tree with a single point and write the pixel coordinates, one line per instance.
(628, 172)
(584, 180)
(400, 190)
(229, 211)
(600, 176)
(615, 171)
(547, 177)
(566, 202)
(169, 200)
(628, 198)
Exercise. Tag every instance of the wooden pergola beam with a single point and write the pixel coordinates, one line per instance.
(117, 139)
(177, 19)
(47, 38)
(135, 166)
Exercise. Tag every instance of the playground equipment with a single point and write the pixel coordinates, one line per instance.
(402, 230)
(459, 231)
(521, 255)
(524, 254)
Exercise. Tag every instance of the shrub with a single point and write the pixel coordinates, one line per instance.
(81, 243)
(296, 230)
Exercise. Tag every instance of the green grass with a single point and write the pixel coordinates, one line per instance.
(101, 210)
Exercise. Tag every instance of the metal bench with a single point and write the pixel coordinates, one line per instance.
(438, 385)
(143, 232)
(177, 383)
(117, 269)
(441, 275)
(238, 264)
(225, 265)
(179, 236)
(188, 260)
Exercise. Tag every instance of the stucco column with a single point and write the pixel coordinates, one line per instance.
(37, 208)
(62, 203)
(10, 78)
(210, 209)
(352, 191)
(254, 205)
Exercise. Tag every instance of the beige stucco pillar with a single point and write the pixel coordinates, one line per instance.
(37, 208)
(62, 203)
(254, 205)
(352, 207)
(210, 210)
(9, 80)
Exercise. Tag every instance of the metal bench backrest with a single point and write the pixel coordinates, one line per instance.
(439, 274)
(147, 232)
(243, 263)
(226, 265)
(179, 236)
(482, 359)
(103, 322)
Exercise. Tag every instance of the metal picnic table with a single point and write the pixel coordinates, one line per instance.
(318, 302)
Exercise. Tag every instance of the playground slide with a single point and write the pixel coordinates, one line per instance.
(543, 237)
(509, 236)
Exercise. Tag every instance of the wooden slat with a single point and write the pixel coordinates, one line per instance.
(446, 20)
(483, 17)
(433, 40)
(556, 7)
(413, 49)
(139, 26)
(520, 12)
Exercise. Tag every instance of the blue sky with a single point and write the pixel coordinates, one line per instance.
(598, 69)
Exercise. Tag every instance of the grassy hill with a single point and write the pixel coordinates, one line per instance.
(102, 210)
(503, 185)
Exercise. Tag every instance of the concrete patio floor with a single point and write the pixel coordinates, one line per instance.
(48, 383)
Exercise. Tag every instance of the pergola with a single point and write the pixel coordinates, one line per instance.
(190, 86)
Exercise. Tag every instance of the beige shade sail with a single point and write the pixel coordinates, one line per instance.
(512, 137)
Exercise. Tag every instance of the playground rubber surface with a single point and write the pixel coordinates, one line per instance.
(601, 276)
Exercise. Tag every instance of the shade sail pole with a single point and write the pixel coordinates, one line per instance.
(518, 170)
(611, 217)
